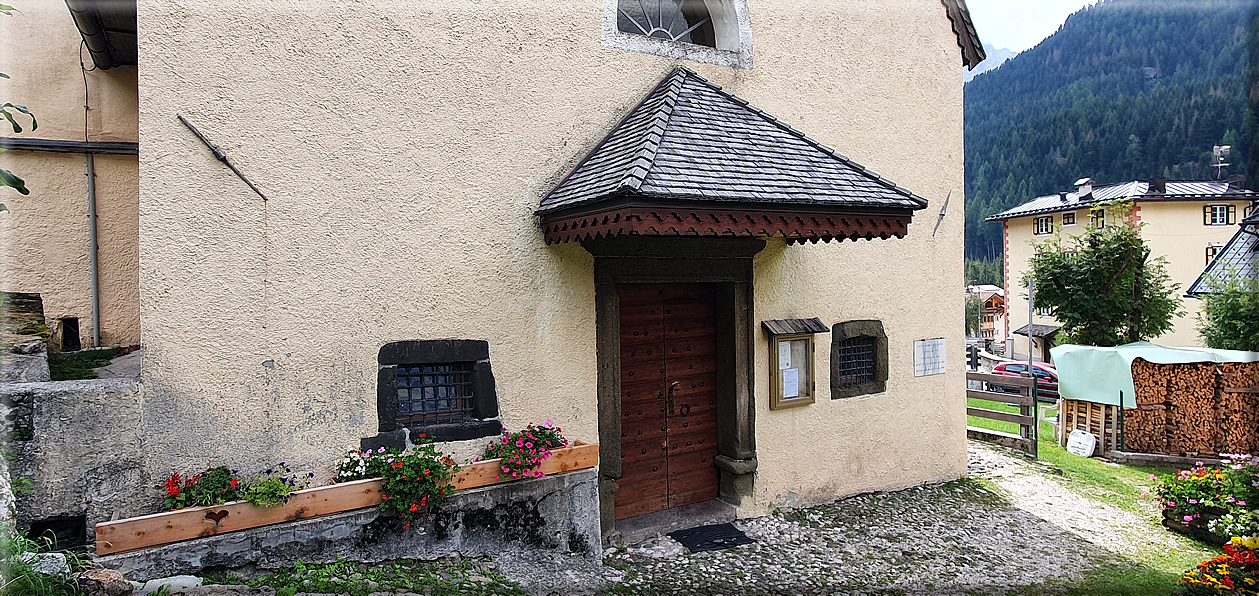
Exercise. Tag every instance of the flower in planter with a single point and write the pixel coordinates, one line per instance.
(416, 481)
(211, 487)
(523, 451)
(274, 487)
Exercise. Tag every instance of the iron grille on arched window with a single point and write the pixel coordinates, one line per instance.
(674, 20)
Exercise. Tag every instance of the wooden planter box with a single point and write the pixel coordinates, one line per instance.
(1196, 529)
(195, 522)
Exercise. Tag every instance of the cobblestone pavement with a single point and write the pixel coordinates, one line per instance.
(960, 537)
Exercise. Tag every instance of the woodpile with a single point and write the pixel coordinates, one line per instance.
(1193, 409)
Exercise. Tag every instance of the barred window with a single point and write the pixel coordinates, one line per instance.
(431, 393)
(856, 362)
(858, 358)
(442, 388)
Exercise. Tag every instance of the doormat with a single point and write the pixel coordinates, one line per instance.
(714, 537)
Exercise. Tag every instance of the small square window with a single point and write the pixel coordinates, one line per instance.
(856, 362)
(442, 388)
(1097, 218)
(432, 393)
(1068, 219)
(1043, 225)
(1219, 215)
(858, 359)
(1212, 251)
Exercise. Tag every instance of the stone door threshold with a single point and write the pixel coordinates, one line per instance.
(645, 527)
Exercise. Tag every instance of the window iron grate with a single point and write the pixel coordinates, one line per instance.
(856, 362)
(433, 393)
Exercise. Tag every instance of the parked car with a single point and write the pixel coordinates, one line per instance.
(1046, 379)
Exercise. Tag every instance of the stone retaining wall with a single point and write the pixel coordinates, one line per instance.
(559, 512)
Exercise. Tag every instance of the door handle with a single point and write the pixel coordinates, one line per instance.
(672, 386)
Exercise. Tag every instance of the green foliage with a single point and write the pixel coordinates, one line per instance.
(460, 576)
(1229, 319)
(1104, 288)
(416, 481)
(212, 487)
(522, 452)
(1125, 90)
(69, 366)
(974, 310)
(8, 178)
(17, 578)
(357, 465)
(273, 487)
(985, 271)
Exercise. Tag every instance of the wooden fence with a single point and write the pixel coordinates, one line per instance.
(1026, 418)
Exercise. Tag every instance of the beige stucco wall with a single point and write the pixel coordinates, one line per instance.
(1172, 229)
(404, 147)
(44, 237)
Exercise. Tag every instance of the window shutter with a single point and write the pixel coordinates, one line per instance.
(1232, 214)
(1206, 215)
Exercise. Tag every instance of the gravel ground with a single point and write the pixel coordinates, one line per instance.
(1032, 535)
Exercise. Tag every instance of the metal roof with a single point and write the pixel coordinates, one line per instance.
(1239, 258)
(108, 28)
(690, 140)
(1190, 190)
(1038, 330)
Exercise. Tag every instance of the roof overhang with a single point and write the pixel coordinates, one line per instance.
(967, 38)
(1038, 330)
(108, 28)
(693, 160)
(730, 221)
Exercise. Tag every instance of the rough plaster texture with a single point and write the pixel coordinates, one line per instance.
(44, 237)
(404, 149)
(40, 52)
(83, 454)
(44, 240)
(556, 512)
(1172, 229)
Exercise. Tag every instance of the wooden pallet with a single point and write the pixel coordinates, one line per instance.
(195, 522)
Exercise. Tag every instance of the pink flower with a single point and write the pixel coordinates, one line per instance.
(1145, 494)
(1241, 503)
(520, 442)
(514, 474)
(1193, 501)
(549, 424)
(506, 469)
(529, 445)
(1188, 518)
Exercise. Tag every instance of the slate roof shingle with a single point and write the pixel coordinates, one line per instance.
(690, 140)
(1238, 258)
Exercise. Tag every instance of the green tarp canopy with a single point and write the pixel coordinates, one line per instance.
(1099, 375)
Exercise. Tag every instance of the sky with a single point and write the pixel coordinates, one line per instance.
(1020, 24)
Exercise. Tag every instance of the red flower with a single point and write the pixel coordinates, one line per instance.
(234, 482)
(414, 506)
(422, 435)
(427, 472)
(407, 526)
(172, 485)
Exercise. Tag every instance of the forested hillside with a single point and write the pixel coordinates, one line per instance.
(1125, 90)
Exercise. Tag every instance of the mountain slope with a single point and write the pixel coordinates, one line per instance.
(1126, 89)
(996, 57)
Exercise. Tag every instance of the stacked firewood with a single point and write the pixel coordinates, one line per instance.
(1185, 409)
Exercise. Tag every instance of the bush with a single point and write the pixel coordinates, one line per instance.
(274, 487)
(416, 481)
(1227, 496)
(211, 487)
(1229, 319)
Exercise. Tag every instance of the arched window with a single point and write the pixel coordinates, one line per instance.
(674, 20)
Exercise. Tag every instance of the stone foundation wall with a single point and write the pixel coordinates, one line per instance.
(78, 447)
(559, 512)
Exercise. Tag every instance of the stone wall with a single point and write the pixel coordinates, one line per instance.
(78, 445)
(558, 512)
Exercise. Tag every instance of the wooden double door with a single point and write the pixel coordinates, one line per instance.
(668, 397)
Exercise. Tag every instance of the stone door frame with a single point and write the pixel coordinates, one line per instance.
(725, 262)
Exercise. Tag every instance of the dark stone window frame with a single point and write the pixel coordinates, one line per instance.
(482, 419)
(871, 329)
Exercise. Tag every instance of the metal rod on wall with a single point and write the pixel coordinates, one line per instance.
(93, 250)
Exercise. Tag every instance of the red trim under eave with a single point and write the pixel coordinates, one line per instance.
(795, 227)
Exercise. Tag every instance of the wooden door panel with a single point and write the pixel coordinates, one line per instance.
(643, 487)
(691, 363)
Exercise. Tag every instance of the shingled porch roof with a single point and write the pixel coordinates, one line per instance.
(694, 160)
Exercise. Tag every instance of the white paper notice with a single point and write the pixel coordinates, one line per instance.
(784, 355)
(791, 382)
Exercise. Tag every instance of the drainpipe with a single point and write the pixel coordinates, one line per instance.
(92, 250)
